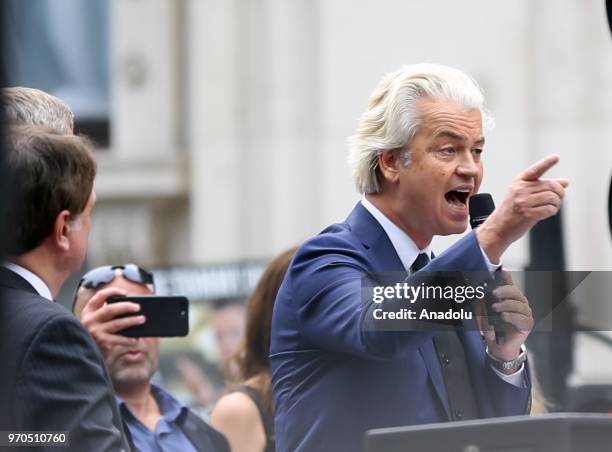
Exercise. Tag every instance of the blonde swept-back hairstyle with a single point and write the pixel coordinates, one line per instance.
(393, 115)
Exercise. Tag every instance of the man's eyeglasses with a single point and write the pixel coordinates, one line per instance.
(107, 273)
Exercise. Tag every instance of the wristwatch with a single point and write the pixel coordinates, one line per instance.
(507, 365)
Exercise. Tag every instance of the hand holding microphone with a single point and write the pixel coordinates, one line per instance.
(513, 308)
(481, 207)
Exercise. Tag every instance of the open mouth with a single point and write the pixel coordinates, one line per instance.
(457, 198)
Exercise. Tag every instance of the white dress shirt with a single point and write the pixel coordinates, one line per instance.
(407, 251)
(35, 281)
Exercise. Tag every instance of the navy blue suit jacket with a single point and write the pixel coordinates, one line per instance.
(333, 379)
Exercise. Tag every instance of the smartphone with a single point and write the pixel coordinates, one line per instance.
(165, 316)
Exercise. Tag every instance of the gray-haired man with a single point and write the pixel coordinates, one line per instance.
(31, 106)
(56, 377)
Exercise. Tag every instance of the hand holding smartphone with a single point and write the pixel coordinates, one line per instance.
(166, 316)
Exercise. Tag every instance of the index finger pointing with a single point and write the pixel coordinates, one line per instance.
(535, 171)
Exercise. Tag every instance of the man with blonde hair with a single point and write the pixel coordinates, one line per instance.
(416, 160)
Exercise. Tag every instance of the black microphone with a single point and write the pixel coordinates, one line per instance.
(481, 206)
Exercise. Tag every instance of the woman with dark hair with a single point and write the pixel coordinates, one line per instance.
(246, 415)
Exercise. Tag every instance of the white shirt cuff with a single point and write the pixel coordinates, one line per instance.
(492, 267)
(516, 379)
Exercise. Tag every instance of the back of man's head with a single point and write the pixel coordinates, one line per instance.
(50, 173)
(30, 106)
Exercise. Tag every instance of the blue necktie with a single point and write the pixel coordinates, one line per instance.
(421, 261)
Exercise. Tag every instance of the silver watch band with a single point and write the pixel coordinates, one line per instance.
(507, 365)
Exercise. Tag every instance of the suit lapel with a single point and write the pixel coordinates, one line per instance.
(473, 346)
(379, 248)
(384, 258)
(428, 352)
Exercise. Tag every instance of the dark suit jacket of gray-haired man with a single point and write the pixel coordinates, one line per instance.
(54, 373)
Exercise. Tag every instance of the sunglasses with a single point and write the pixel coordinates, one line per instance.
(107, 273)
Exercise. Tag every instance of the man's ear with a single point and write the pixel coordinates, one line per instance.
(62, 229)
(389, 164)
